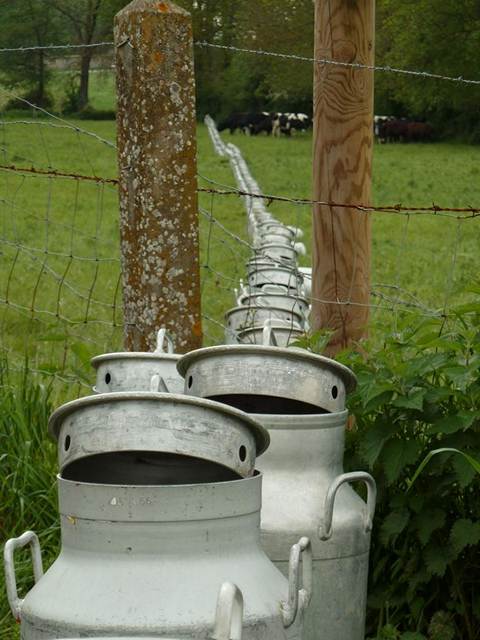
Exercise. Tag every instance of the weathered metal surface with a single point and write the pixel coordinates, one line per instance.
(272, 226)
(267, 376)
(157, 422)
(156, 156)
(281, 334)
(245, 317)
(280, 252)
(274, 238)
(290, 278)
(305, 490)
(149, 561)
(274, 296)
(133, 371)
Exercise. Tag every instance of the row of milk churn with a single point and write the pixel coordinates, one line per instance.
(203, 496)
(277, 290)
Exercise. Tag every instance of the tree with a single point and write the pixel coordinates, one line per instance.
(87, 21)
(440, 36)
(27, 23)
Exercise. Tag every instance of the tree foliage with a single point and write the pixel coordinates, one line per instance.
(440, 36)
(27, 23)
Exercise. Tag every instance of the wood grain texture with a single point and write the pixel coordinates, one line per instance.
(157, 165)
(342, 169)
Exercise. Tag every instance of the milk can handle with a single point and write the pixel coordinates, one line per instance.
(268, 337)
(298, 598)
(157, 384)
(229, 614)
(31, 538)
(164, 340)
(325, 528)
(300, 248)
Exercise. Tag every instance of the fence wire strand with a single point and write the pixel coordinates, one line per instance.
(60, 268)
(272, 54)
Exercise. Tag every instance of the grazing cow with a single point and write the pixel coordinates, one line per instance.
(419, 132)
(235, 121)
(261, 123)
(254, 123)
(281, 124)
(299, 121)
(390, 129)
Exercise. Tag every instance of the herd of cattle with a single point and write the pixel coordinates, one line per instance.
(392, 129)
(386, 128)
(275, 124)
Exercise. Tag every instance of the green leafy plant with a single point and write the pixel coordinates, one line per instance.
(416, 406)
(28, 496)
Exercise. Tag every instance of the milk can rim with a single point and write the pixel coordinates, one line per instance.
(261, 435)
(257, 476)
(304, 421)
(347, 376)
(273, 295)
(133, 355)
(248, 307)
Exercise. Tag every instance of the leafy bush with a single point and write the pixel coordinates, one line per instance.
(419, 391)
(28, 498)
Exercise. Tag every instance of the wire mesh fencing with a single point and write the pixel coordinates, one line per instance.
(60, 267)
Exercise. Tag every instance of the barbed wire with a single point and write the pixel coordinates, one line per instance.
(338, 63)
(54, 47)
(276, 54)
(434, 209)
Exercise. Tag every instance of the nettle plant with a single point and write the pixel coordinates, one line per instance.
(419, 391)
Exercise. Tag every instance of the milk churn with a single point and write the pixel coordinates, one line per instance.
(273, 296)
(306, 489)
(300, 398)
(151, 531)
(133, 371)
(286, 277)
(149, 560)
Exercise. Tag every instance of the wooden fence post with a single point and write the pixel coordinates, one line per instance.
(342, 168)
(157, 164)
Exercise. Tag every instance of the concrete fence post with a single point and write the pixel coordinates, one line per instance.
(157, 166)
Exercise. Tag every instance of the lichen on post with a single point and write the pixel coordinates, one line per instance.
(157, 164)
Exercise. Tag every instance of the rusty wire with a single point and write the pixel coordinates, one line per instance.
(434, 209)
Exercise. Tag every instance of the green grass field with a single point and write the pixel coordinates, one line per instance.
(76, 301)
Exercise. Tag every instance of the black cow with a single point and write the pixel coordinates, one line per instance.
(235, 121)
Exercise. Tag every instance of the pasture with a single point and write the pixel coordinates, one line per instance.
(60, 251)
(59, 273)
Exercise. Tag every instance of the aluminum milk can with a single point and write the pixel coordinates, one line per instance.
(305, 489)
(133, 371)
(149, 561)
(300, 398)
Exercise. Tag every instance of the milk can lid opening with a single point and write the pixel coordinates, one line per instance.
(264, 404)
(146, 468)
